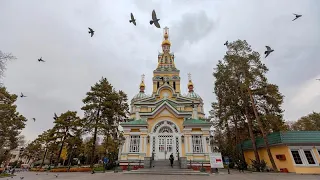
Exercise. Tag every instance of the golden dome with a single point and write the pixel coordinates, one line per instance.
(142, 84)
(166, 42)
(190, 83)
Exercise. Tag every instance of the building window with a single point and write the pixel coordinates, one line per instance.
(197, 144)
(166, 60)
(158, 84)
(134, 143)
(174, 85)
(296, 156)
(309, 157)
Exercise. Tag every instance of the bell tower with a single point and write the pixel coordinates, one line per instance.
(166, 71)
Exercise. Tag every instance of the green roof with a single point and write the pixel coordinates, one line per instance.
(287, 137)
(135, 122)
(195, 121)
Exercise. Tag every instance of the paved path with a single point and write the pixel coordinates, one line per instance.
(120, 176)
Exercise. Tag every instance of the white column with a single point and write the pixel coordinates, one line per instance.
(145, 144)
(128, 144)
(204, 142)
(140, 145)
(186, 144)
(190, 144)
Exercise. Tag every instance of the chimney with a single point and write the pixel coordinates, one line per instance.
(195, 112)
(137, 112)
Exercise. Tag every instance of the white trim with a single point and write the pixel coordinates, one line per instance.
(165, 124)
(302, 155)
(318, 150)
(186, 143)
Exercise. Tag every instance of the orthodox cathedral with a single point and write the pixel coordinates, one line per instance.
(166, 122)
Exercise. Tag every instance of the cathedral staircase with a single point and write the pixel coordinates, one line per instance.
(162, 167)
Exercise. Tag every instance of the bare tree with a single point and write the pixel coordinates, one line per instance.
(4, 57)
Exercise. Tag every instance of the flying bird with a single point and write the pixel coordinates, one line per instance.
(226, 43)
(55, 117)
(155, 20)
(91, 31)
(297, 16)
(21, 177)
(268, 51)
(133, 20)
(34, 119)
(22, 95)
(41, 60)
(56, 175)
(318, 79)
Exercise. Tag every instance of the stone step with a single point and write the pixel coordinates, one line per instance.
(170, 170)
(195, 173)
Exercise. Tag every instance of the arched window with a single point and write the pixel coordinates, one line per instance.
(174, 85)
(165, 129)
(158, 84)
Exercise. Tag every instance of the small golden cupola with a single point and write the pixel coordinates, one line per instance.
(166, 43)
(191, 93)
(141, 94)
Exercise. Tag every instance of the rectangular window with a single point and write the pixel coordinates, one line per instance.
(309, 157)
(197, 144)
(134, 143)
(296, 156)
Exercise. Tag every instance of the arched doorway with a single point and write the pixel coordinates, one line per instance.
(165, 140)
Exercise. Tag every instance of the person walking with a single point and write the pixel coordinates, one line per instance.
(171, 160)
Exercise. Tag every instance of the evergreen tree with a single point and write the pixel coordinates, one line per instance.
(104, 109)
(11, 123)
(245, 99)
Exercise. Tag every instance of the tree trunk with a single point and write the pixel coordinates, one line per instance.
(94, 146)
(60, 151)
(44, 156)
(253, 139)
(264, 134)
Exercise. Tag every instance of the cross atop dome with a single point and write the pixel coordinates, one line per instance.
(142, 77)
(189, 76)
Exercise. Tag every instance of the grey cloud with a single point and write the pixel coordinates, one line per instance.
(192, 28)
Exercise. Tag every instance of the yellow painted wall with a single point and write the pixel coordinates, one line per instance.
(288, 163)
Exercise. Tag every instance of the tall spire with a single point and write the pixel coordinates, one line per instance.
(166, 43)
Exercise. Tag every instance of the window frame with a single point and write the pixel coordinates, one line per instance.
(137, 145)
(200, 146)
(303, 157)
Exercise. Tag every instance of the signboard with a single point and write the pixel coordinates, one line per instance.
(226, 160)
(216, 160)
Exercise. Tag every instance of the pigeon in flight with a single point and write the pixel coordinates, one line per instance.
(22, 95)
(21, 177)
(34, 119)
(318, 79)
(226, 43)
(297, 16)
(56, 175)
(55, 117)
(91, 31)
(41, 60)
(268, 51)
(155, 20)
(133, 20)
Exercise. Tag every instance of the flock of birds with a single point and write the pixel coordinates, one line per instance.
(154, 21)
(269, 50)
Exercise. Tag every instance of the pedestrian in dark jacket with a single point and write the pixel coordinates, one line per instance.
(171, 159)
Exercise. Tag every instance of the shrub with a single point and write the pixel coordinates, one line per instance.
(259, 166)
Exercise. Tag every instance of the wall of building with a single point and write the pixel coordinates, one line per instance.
(288, 163)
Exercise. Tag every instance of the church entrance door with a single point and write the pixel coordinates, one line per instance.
(166, 146)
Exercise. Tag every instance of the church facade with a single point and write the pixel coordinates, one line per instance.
(165, 122)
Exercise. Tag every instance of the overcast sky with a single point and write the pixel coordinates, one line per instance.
(57, 32)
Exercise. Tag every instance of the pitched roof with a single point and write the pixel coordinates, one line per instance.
(139, 122)
(191, 122)
(287, 138)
